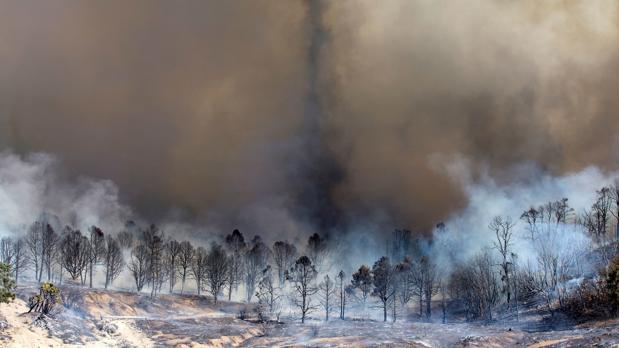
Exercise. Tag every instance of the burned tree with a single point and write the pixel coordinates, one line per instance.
(267, 293)
(476, 287)
(216, 270)
(531, 217)
(113, 260)
(256, 259)
(362, 281)
(36, 247)
(327, 295)
(283, 257)
(185, 258)
(502, 228)
(46, 300)
(125, 239)
(406, 281)
(342, 294)
(428, 269)
(198, 267)
(97, 250)
(302, 275)
(75, 252)
(153, 240)
(138, 266)
(235, 243)
(20, 257)
(382, 281)
(172, 255)
(317, 251)
(597, 219)
(6, 250)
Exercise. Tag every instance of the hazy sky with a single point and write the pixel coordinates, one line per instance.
(329, 110)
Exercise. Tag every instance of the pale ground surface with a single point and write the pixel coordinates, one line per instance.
(192, 321)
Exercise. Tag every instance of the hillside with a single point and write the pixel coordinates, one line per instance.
(99, 318)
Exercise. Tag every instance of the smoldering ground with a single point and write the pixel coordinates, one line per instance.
(283, 118)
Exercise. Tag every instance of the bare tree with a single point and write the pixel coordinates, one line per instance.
(20, 257)
(340, 279)
(34, 241)
(138, 266)
(75, 252)
(198, 267)
(406, 281)
(172, 255)
(531, 217)
(153, 240)
(428, 270)
(614, 192)
(502, 228)
(327, 294)
(256, 259)
(284, 255)
(317, 251)
(126, 238)
(268, 294)
(7, 252)
(235, 243)
(598, 218)
(113, 260)
(216, 270)
(97, 250)
(302, 275)
(475, 285)
(362, 280)
(185, 258)
(382, 281)
(12, 253)
(50, 241)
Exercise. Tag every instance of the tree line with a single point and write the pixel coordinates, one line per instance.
(411, 274)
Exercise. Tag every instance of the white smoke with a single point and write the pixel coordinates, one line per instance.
(32, 185)
(467, 232)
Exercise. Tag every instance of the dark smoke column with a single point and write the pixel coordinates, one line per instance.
(318, 171)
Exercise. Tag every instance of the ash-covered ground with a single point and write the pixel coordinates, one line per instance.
(102, 318)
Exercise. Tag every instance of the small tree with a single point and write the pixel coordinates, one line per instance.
(267, 293)
(138, 266)
(198, 267)
(317, 251)
(172, 254)
(185, 257)
(97, 250)
(327, 294)
(113, 260)
(44, 302)
(362, 280)
(502, 228)
(256, 259)
(340, 279)
(302, 275)
(7, 284)
(283, 257)
(74, 252)
(235, 243)
(382, 279)
(216, 270)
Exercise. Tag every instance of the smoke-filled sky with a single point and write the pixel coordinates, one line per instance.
(272, 112)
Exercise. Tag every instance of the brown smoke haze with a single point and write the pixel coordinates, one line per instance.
(331, 110)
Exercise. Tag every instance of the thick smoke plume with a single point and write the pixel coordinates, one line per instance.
(283, 117)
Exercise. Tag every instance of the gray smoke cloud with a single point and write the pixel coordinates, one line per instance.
(285, 117)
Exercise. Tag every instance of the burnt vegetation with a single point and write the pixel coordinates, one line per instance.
(551, 258)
